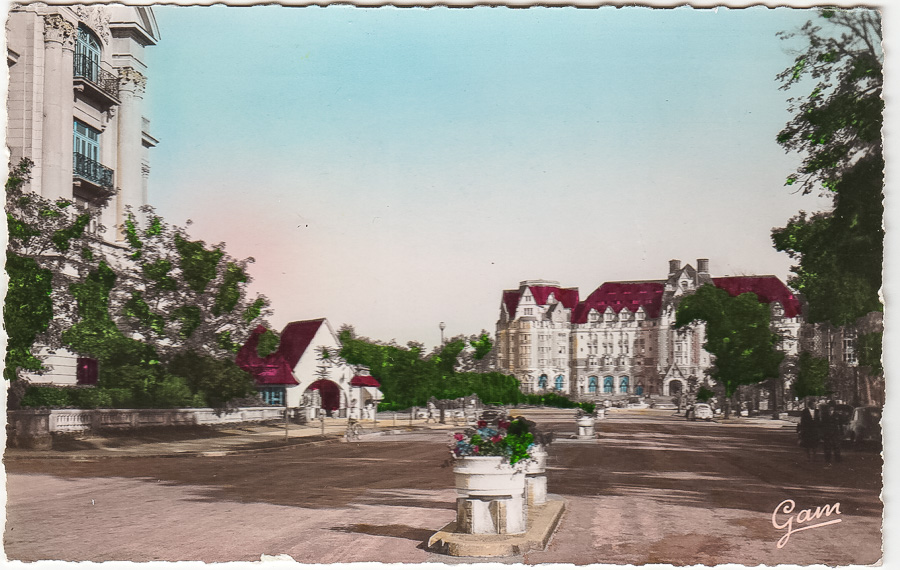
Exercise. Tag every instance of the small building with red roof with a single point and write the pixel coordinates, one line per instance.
(304, 370)
(620, 340)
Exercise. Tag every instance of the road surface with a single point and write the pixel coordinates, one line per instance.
(653, 488)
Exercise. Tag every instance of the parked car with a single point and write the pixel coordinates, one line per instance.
(865, 424)
(700, 411)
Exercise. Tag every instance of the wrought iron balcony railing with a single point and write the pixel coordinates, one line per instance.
(86, 68)
(93, 172)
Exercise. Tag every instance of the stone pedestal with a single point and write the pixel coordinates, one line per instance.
(585, 427)
(29, 429)
(490, 515)
(491, 496)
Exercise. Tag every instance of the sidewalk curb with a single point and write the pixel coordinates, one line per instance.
(332, 438)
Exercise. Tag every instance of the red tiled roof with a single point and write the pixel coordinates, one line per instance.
(568, 297)
(277, 368)
(511, 300)
(768, 289)
(621, 295)
(365, 381)
(295, 339)
(271, 369)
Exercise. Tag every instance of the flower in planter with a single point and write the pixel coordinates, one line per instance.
(510, 439)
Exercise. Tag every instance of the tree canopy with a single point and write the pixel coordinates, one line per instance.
(836, 128)
(409, 377)
(738, 335)
(162, 316)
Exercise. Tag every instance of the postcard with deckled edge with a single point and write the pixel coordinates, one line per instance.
(498, 285)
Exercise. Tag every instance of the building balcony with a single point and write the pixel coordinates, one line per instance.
(92, 174)
(95, 82)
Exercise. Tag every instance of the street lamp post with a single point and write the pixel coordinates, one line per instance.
(442, 326)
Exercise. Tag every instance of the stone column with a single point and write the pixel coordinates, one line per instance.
(59, 106)
(129, 162)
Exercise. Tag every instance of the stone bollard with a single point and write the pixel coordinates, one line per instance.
(536, 478)
(585, 426)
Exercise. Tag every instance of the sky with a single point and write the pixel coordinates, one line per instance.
(397, 168)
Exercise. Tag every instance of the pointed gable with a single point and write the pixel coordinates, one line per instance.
(768, 288)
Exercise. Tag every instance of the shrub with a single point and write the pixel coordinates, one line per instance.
(90, 398)
(46, 397)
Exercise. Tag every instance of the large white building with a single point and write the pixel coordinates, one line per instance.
(75, 107)
(620, 340)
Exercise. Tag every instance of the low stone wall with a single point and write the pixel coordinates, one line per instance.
(33, 428)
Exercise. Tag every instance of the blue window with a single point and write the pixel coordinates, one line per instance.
(542, 382)
(639, 389)
(592, 384)
(608, 385)
(559, 382)
(623, 384)
(87, 141)
(87, 55)
(274, 396)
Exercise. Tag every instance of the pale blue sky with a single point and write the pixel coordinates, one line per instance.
(394, 168)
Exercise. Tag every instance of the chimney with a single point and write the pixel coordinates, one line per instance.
(674, 265)
(702, 266)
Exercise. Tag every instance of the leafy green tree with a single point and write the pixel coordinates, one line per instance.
(840, 119)
(738, 336)
(812, 376)
(836, 128)
(409, 377)
(48, 249)
(182, 296)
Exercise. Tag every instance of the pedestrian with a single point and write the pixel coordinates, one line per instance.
(809, 434)
(831, 435)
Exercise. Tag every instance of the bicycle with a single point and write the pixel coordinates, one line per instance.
(354, 430)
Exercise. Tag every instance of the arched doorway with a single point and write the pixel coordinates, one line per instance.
(558, 383)
(329, 393)
(542, 382)
(639, 390)
(676, 387)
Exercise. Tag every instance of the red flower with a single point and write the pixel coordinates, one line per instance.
(482, 423)
(475, 449)
(503, 424)
(497, 439)
(459, 436)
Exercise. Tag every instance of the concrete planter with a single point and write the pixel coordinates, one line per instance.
(488, 476)
(491, 496)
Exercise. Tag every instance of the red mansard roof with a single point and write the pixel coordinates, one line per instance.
(620, 295)
(568, 297)
(767, 287)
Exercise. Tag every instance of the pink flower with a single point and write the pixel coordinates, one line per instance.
(497, 439)
(475, 449)
(459, 436)
(482, 423)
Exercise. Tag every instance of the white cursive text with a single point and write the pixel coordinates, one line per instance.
(803, 517)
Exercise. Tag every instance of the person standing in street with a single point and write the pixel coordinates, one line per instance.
(831, 435)
(809, 434)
